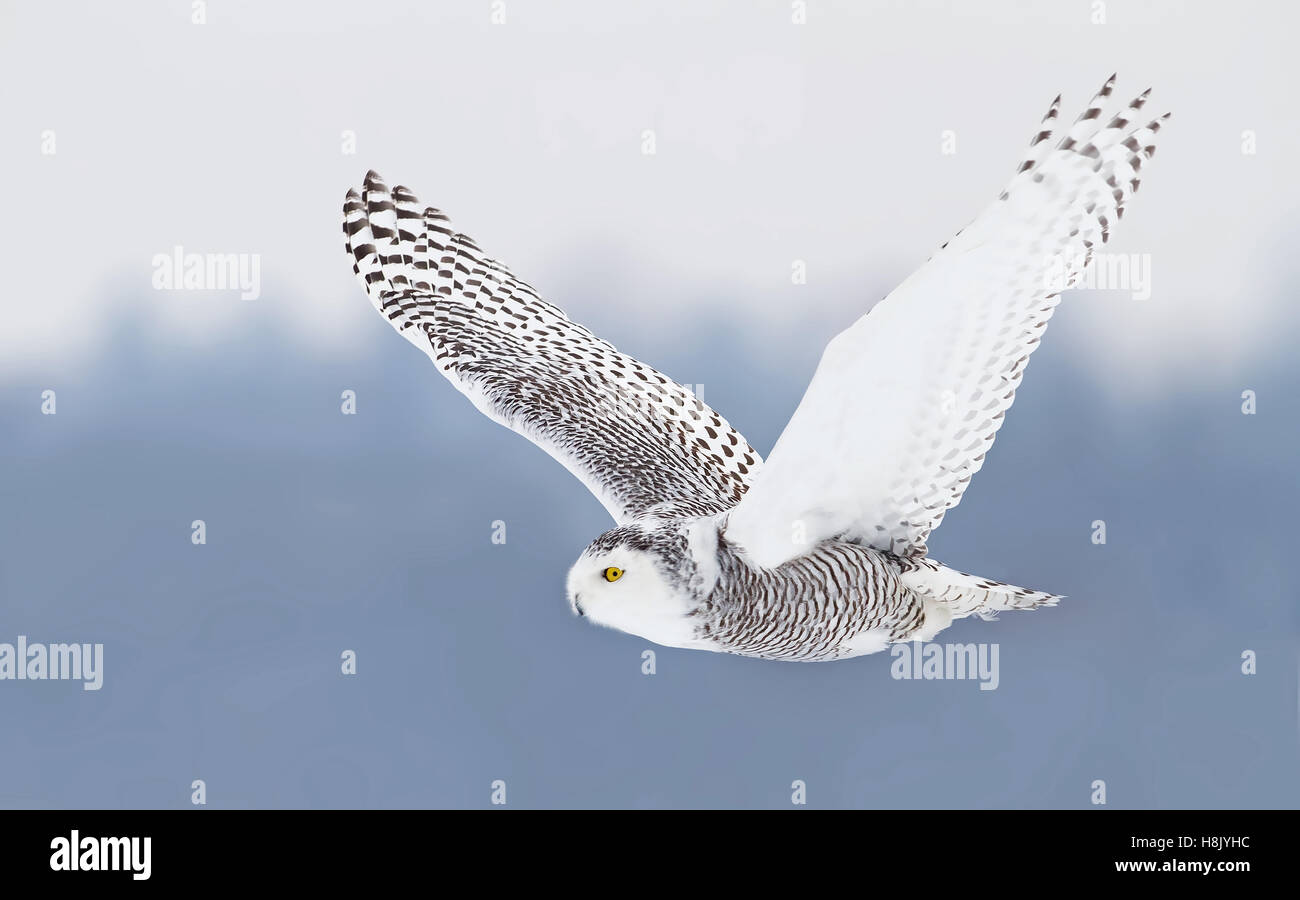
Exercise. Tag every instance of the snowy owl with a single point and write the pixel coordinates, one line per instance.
(819, 552)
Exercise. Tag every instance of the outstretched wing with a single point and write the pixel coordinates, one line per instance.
(642, 443)
(905, 402)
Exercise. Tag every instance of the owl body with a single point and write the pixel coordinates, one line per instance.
(838, 600)
(682, 583)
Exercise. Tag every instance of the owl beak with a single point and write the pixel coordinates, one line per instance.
(577, 606)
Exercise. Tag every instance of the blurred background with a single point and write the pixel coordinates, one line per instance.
(783, 133)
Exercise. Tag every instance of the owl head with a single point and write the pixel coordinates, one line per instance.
(646, 579)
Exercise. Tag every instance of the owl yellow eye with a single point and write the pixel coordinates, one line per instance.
(613, 573)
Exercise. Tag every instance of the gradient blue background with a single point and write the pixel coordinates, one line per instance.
(372, 533)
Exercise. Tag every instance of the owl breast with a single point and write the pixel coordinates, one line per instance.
(837, 601)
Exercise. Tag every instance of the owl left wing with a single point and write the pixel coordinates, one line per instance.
(641, 442)
(906, 402)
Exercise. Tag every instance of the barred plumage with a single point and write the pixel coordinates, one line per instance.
(526, 365)
(819, 553)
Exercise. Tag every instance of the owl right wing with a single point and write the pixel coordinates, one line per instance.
(906, 402)
(642, 443)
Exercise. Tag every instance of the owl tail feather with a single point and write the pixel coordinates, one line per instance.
(966, 595)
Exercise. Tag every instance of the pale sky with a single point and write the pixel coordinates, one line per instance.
(774, 142)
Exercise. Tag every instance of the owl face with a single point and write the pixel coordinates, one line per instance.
(626, 583)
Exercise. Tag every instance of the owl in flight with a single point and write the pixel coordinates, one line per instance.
(817, 552)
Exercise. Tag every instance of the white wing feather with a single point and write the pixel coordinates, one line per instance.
(906, 402)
